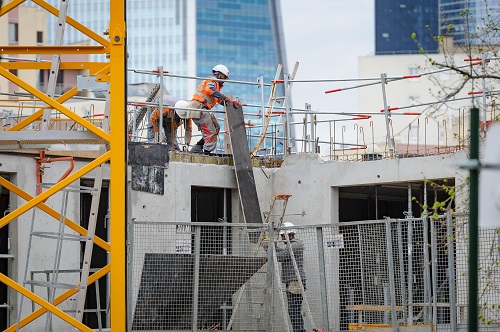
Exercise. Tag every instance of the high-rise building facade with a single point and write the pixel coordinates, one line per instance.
(472, 22)
(397, 20)
(468, 21)
(190, 37)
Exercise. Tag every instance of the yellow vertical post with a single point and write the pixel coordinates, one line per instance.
(118, 72)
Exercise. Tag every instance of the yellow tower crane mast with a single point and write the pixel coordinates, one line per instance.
(113, 71)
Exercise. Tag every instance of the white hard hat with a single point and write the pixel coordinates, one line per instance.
(183, 114)
(221, 69)
(287, 230)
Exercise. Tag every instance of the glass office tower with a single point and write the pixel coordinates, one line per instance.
(472, 16)
(190, 37)
(397, 20)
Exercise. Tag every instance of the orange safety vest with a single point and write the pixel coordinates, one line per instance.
(203, 94)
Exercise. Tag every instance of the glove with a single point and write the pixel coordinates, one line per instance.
(236, 103)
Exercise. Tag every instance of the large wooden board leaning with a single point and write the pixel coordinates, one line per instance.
(243, 165)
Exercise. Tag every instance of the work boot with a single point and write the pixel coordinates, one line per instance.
(197, 149)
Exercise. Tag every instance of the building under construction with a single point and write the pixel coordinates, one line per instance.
(102, 229)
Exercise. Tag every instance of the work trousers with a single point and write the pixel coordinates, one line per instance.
(170, 139)
(209, 127)
(167, 129)
(294, 311)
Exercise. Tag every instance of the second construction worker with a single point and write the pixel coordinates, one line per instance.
(206, 96)
(289, 274)
(171, 121)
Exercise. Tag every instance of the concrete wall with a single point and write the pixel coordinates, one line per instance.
(312, 182)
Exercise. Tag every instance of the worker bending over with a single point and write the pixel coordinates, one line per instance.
(171, 121)
(206, 96)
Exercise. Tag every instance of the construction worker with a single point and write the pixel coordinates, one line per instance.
(206, 96)
(171, 121)
(289, 275)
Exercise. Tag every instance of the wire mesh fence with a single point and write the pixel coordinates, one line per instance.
(382, 275)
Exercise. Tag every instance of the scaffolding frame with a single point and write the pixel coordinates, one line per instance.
(113, 72)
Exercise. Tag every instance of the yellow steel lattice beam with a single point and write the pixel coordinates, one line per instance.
(58, 300)
(15, 49)
(9, 6)
(118, 166)
(53, 213)
(93, 67)
(47, 305)
(116, 154)
(43, 97)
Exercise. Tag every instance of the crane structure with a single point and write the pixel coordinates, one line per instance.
(113, 72)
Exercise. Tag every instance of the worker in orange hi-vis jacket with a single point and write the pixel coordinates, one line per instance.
(171, 121)
(206, 96)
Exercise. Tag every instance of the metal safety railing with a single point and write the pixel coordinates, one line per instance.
(406, 131)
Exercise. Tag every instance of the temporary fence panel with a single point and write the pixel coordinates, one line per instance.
(381, 274)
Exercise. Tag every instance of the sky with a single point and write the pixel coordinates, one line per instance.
(326, 37)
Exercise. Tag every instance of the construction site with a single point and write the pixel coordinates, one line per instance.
(103, 227)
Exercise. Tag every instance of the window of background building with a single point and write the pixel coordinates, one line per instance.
(13, 33)
(413, 71)
(41, 76)
(60, 77)
(39, 37)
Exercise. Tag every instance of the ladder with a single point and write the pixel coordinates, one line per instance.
(52, 283)
(272, 101)
(275, 265)
(7, 256)
(94, 208)
(267, 215)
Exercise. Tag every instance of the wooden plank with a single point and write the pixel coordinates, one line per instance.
(243, 166)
